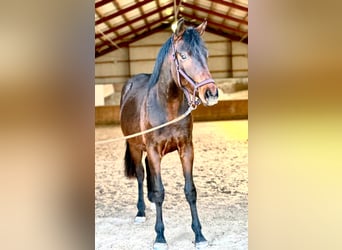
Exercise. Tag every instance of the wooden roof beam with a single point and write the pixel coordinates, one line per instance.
(101, 3)
(126, 43)
(122, 11)
(114, 29)
(190, 6)
(232, 5)
(148, 27)
(227, 35)
(211, 23)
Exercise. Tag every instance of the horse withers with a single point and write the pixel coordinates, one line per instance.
(180, 79)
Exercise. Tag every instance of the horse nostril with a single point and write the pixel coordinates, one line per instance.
(209, 94)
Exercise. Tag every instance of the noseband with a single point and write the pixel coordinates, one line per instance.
(194, 101)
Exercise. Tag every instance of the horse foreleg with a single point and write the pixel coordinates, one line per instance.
(186, 154)
(156, 195)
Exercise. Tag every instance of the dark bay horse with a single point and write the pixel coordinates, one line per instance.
(180, 78)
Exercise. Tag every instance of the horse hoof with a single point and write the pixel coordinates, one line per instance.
(201, 245)
(139, 219)
(160, 246)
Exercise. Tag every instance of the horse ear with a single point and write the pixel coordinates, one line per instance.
(200, 28)
(180, 28)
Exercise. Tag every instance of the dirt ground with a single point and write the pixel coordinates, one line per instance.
(221, 179)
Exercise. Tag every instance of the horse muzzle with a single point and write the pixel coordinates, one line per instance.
(209, 94)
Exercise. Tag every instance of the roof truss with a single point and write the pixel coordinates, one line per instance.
(119, 23)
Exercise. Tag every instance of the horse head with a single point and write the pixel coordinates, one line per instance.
(190, 57)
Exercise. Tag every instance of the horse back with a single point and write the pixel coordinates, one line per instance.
(134, 85)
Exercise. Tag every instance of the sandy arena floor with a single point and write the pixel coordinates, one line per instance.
(221, 178)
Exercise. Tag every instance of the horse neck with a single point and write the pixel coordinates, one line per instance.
(170, 96)
(167, 87)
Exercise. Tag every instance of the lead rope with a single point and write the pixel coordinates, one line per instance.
(148, 130)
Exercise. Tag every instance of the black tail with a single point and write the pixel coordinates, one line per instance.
(129, 164)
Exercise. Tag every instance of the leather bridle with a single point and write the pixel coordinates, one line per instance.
(192, 100)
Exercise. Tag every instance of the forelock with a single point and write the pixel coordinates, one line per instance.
(193, 42)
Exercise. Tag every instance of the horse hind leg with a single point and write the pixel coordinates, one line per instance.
(140, 217)
(134, 168)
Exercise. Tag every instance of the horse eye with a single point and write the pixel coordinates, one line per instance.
(183, 56)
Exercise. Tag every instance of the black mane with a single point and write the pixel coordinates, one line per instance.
(159, 62)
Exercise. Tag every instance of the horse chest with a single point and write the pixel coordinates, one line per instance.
(171, 140)
(168, 146)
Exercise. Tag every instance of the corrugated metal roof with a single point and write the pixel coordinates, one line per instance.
(120, 22)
